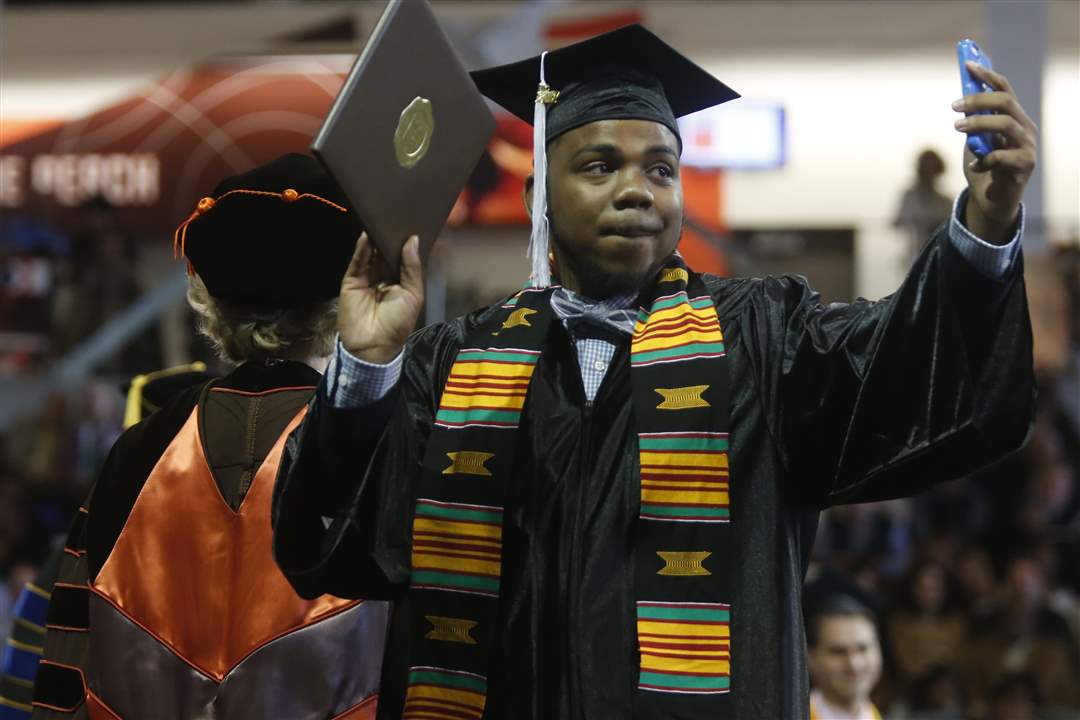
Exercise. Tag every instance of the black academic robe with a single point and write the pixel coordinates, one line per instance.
(830, 403)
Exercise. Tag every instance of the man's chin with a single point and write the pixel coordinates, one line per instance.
(601, 283)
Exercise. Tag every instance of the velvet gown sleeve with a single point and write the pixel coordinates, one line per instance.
(343, 498)
(877, 400)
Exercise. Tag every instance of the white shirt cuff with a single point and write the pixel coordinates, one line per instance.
(993, 261)
(351, 382)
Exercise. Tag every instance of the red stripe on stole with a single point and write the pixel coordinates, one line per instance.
(721, 645)
(428, 711)
(664, 621)
(459, 377)
(494, 542)
(459, 555)
(440, 701)
(704, 469)
(718, 479)
(715, 653)
(459, 522)
(676, 322)
(486, 389)
(495, 362)
(675, 331)
(691, 672)
(661, 638)
(682, 488)
(460, 547)
(419, 711)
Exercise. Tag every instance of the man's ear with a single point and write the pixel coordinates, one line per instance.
(527, 193)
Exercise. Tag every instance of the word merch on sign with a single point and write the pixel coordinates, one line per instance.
(123, 179)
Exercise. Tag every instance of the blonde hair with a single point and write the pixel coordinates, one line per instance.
(239, 333)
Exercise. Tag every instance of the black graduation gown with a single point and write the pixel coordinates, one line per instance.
(831, 404)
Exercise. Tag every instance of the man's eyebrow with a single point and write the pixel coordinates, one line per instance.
(662, 150)
(599, 148)
(611, 149)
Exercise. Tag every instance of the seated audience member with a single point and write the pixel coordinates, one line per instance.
(1025, 635)
(1014, 697)
(844, 659)
(926, 630)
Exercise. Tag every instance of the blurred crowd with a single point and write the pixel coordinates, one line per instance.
(974, 586)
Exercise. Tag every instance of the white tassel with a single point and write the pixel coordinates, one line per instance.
(540, 235)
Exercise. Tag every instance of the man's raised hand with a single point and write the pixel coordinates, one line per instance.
(374, 316)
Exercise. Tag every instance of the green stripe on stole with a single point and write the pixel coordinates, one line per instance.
(686, 448)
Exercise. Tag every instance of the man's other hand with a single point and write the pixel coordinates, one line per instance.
(996, 181)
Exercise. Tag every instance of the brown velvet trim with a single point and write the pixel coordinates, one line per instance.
(238, 430)
(50, 685)
(199, 576)
(309, 388)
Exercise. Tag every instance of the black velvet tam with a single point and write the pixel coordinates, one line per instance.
(626, 74)
(279, 236)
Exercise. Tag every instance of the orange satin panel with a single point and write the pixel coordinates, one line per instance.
(98, 710)
(195, 574)
(364, 711)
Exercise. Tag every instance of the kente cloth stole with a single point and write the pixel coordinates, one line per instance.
(683, 552)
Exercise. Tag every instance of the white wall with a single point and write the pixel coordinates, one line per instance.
(866, 85)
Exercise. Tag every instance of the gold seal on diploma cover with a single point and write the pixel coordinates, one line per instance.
(413, 135)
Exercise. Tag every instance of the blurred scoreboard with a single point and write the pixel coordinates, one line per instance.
(740, 135)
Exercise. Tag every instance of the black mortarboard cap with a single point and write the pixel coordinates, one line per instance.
(625, 74)
(278, 236)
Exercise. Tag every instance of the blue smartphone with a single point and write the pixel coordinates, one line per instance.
(980, 144)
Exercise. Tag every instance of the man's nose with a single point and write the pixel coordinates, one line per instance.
(632, 190)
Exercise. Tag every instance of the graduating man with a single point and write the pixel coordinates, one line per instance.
(596, 499)
(169, 604)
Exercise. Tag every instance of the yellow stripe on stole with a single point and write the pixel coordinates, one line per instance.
(674, 274)
(423, 559)
(663, 459)
(686, 336)
(502, 384)
(680, 497)
(718, 473)
(451, 400)
(471, 368)
(469, 531)
(666, 484)
(712, 665)
(651, 627)
(465, 697)
(688, 641)
(676, 312)
(710, 653)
